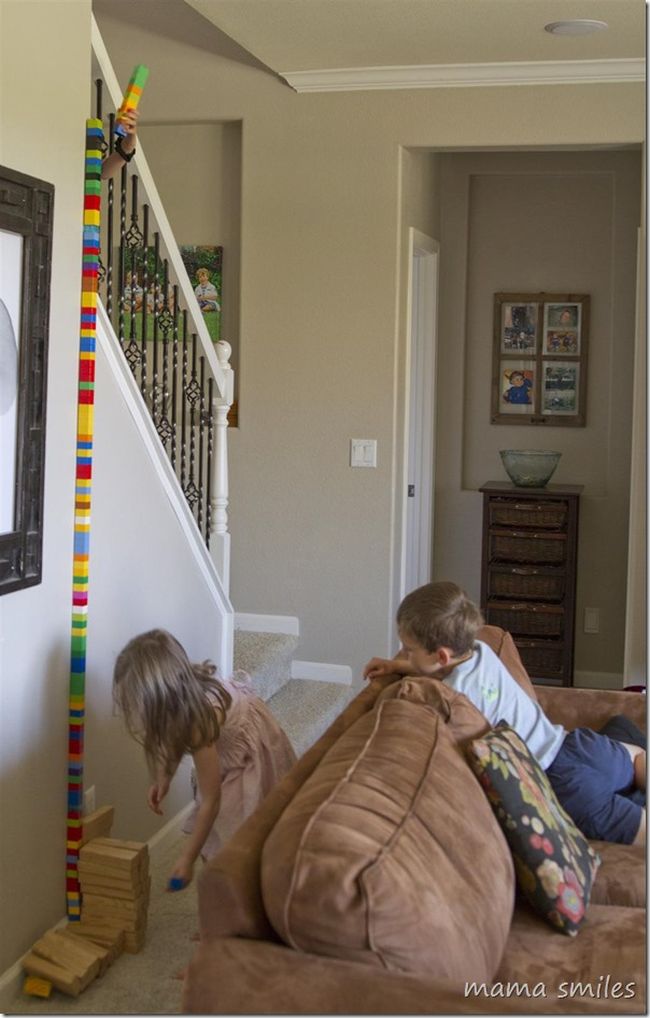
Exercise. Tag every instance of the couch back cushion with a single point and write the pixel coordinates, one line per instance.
(390, 854)
(463, 720)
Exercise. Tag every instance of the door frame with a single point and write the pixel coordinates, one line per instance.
(419, 408)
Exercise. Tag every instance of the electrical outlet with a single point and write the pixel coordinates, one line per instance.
(592, 620)
(89, 800)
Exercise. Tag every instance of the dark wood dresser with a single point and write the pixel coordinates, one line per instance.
(528, 576)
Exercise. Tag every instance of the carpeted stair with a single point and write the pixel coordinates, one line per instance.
(267, 659)
(304, 707)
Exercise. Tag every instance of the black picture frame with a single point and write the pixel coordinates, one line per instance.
(26, 223)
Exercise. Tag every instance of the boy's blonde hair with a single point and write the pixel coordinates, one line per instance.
(170, 706)
(440, 615)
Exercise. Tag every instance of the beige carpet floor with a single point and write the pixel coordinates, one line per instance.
(141, 983)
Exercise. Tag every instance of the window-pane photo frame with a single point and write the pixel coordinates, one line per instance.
(539, 361)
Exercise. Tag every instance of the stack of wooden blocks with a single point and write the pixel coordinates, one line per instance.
(115, 883)
(69, 962)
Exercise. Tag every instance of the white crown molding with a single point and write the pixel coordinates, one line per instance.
(540, 72)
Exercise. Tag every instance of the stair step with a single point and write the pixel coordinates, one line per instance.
(305, 708)
(267, 659)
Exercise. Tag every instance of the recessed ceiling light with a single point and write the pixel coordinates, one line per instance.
(580, 26)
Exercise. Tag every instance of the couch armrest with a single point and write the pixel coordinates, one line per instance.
(590, 708)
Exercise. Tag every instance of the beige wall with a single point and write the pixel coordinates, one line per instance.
(44, 90)
(560, 222)
(320, 307)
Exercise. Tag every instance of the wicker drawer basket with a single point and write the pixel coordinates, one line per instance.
(526, 547)
(526, 619)
(526, 582)
(542, 659)
(507, 513)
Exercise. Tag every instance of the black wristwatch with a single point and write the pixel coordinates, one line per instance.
(126, 156)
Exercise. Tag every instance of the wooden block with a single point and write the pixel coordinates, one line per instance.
(128, 924)
(111, 919)
(97, 824)
(114, 906)
(139, 847)
(121, 887)
(109, 891)
(98, 933)
(36, 987)
(55, 949)
(93, 952)
(118, 877)
(112, 858)
(60, 977)
(134, 942)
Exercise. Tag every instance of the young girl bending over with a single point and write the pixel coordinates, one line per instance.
(173, 707)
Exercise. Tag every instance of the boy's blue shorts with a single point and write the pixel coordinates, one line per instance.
(593, 776)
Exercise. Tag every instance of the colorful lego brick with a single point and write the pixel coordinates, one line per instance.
(36, 987)
(132, 96)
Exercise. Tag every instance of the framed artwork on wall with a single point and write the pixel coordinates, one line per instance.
(26, 216)
(204, 267)
(539, 358)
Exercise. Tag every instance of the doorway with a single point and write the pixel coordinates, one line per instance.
(419, 412)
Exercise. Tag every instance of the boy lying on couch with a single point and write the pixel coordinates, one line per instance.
(594, 777)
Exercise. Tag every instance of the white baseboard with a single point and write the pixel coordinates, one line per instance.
(251, 623)
(12, 978)
(319, 672)
(168, 831)
(598, 680)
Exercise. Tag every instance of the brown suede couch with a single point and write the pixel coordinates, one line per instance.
(318, 957)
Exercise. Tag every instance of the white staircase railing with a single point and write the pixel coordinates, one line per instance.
(184, 377)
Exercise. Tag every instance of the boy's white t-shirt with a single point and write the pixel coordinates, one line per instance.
(485, 680)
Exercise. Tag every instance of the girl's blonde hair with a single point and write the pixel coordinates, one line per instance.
(168, 703)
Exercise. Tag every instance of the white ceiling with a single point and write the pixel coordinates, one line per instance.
(296, 36)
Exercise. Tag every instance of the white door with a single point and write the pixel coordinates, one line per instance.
(420, 413)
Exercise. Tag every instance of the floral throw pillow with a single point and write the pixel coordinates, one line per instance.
(554, 862)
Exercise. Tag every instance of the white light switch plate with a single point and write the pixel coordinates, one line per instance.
(363, 452)
(592, 620)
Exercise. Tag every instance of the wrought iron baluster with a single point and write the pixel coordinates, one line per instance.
(166, 322)
(143, 302)
(155, 388)
(109, 226)
(199, 519)
(208, 478)
(174, 377)
(132, 242)
(184, 404)
(192, 394)
(133, 239)
(101, 274)
(122, 256)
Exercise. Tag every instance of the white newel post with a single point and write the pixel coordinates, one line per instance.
(220, 538)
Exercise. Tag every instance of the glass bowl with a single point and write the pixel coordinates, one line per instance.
(529, 468)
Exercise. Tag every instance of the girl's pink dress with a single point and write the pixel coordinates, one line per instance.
(254, 754)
